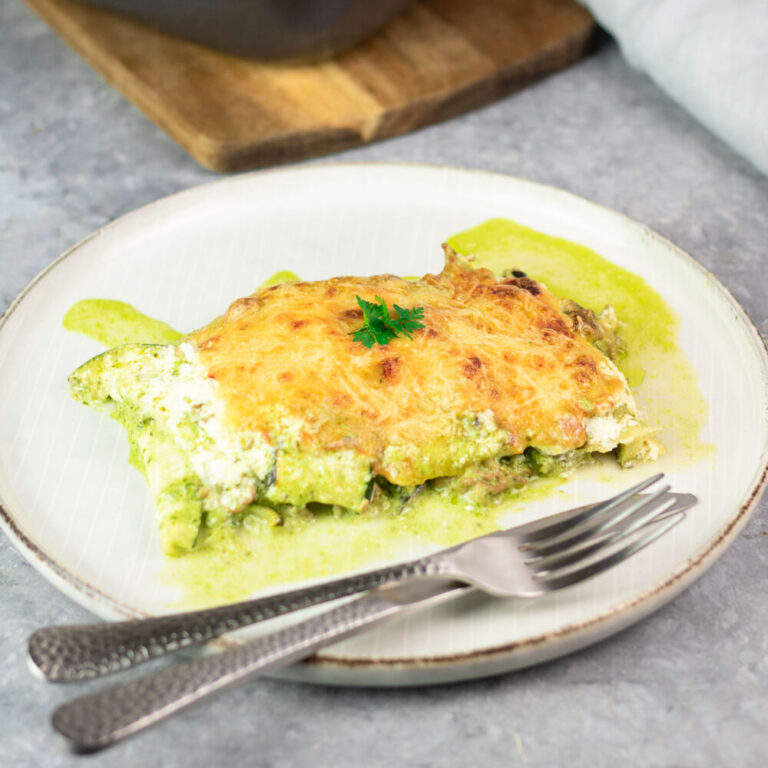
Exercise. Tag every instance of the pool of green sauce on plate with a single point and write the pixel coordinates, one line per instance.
(113, 323)
(283, 276)
(657, 369)
(231, 562)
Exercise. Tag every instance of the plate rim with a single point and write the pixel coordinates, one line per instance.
(576, 635)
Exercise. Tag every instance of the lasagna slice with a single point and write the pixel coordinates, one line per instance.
(275, 406)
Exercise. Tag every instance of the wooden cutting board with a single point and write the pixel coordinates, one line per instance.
(436, 59)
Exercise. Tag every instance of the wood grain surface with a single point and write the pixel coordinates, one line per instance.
(436, 59)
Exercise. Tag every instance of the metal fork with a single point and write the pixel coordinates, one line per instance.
(71, 653)
(526, 561)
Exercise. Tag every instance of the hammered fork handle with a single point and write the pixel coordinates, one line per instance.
(96, 721)
(83, 651)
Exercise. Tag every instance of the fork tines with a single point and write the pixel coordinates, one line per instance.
(564, 577)
(583, 542)
(567, 522)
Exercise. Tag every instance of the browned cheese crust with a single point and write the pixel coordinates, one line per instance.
(490, 345)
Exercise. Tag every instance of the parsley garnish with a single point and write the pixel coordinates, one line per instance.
(378, 327)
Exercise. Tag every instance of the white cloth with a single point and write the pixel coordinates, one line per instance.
(709, 55)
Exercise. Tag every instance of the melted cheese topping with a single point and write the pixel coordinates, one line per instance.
(498, 361)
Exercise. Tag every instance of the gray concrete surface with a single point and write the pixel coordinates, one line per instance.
(686, 687)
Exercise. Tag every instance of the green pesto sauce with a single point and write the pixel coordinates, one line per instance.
(230, 562)
(660, 374)
(282, 276)
(113, 323)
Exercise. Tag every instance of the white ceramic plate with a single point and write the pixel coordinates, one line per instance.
(81, 514)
